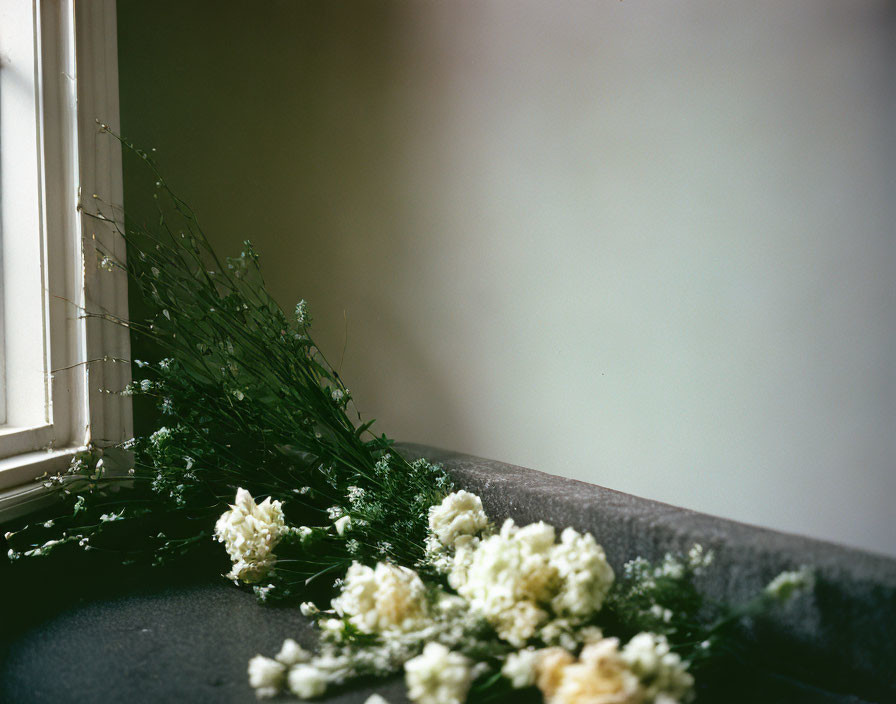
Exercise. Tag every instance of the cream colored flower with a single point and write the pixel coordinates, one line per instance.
(585, 575)
(376, 699)
(438, 676)
(309, 609)
(291, 653)
(382, 599)
(459, 514)
(590, 634)
(250, 532)
(549, 669)
(507, 577)
(266, 676)
(307, 681)
(566, 633)
(521, 580)
(518, 622)
(520, 667)
(599, 677)
(458, 566)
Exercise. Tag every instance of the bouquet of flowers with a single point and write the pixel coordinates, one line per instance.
(420, 579)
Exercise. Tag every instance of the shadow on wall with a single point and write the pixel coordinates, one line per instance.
(278, 129)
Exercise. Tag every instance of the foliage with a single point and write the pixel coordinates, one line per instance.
(247, 399)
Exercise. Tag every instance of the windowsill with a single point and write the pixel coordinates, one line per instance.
(17, 440)
(20, 494)
(63, 59)
(838, 641)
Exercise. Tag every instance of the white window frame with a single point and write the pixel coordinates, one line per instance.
(54, 158)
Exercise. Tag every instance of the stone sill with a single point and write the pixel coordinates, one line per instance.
(843, 635)
(170, 637)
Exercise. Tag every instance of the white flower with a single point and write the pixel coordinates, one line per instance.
(585, 573)
(262, 593)
(519, 668)
(600, 676)
(459, 514)
(333, 627)
(569, 634)
(438, 676)
(375, 699)
(590, 634)
(660, 613)
(266, 676)
(356, 494)
(457, 566)
(519, 622)
(307, 681)
(382, 599)
(303, 317)
(336, 668)
(343, 524)
(698, 558)
(309, 609)
(250, 532)
(520, 578)
(672, 567)
(661, 671)
(786, 584)
(508, 575)
(291, 653)
(562, 632)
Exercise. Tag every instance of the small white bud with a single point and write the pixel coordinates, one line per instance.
(343, 524)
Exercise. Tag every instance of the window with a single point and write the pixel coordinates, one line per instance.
(58, 76)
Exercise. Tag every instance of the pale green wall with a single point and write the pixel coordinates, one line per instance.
(646, 245)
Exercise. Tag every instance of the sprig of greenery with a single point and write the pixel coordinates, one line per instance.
(662, 597)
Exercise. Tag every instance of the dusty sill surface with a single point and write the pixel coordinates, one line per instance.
(153, 637)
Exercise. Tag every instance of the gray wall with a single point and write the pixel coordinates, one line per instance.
(648, 245)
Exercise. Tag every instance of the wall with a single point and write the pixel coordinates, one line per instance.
(650, 246)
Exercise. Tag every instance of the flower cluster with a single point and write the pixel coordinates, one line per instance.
(643, 672)
(438, 676)
(250, 532)
(372, 631)
(387, 597)
(522, 610)
(519, 579)
(514, 582)
(661, 596)
(460, 516)
(662, 673)
(267, 675)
